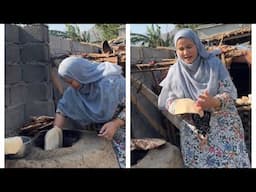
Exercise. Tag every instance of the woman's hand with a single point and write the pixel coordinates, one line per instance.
(206, 101)
(108, 129)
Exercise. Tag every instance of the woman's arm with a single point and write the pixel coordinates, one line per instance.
(59, 120)
(109, 129)
(227, 93)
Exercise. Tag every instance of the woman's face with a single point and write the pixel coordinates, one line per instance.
(186, 50)
(73, 83)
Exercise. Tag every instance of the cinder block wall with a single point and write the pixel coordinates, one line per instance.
(59, 46)
(28, 87)
(146, 54)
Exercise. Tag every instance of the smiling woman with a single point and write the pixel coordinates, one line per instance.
(215, 140)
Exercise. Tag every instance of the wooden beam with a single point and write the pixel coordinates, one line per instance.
(153, 98)
(151, 120)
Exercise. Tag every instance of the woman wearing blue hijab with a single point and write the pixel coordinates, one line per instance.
(215, 140)
(96, 95)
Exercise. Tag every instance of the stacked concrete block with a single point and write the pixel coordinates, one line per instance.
(11, 34)
(87, 48)
(152, 54)
(14, 112)
(59, 46)
(12, 52)
(14, 118)
(41, 91)
(36, 33)
(146, 54)
(35, 52)
(12, 73)
(36, 72)
(136, 55)
(28, 87)
(37, 108)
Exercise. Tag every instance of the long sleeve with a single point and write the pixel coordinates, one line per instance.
(120, 111)
(227, 93)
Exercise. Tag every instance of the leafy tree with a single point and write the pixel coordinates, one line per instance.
(108, 31)
(73, 32)
(85, 36)
(153, 37)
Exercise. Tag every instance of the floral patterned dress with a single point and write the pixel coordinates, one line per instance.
(118, 140)
(225, 146)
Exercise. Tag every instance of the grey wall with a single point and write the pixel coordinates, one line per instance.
(146, 54)
(60, 46)
(28, 88)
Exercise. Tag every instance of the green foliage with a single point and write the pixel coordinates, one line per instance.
(152, 38)
(85, 36)
(58, 33)
(108, 31)
(74, 33)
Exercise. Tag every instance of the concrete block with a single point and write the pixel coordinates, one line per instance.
(14, 119)
(34, 33)
(136, 55)
(155, 54)
(76, 47)
(35, 73)
(38, 108)
(39, 91)
(35, 52)
(12, 53)
(59, 46)
(88, 48)
(18, 94)
(12, 74)
(7, 96)
(11, 33)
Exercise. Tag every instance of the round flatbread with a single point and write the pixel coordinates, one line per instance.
(13, 145)
(184, 105)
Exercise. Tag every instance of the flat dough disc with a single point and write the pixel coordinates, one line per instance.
(13, 145)
(53, 139)
(185, 105)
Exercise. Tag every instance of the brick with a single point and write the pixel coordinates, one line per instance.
(35, 52)
(39, 91)
(11, 33)
(18, 94)
(14, 119)
(38, 108)
(35, 73)
(7, 96)
(34, 33)
(13, 74)
(59, 45)
(12, 53)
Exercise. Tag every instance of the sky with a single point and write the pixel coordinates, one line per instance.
(61, 27)
(142, 28)
(135, 28)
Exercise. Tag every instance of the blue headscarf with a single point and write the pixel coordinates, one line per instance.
(102, 89)
(190, 80)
